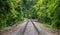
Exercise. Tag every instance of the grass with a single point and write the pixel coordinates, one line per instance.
(47, 25)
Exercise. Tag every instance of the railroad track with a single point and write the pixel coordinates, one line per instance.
(22, 30)
(29, 27)
(36, 28)
(26, 27)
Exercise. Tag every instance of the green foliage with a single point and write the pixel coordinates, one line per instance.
(46, 11)
(12, 11)
(8, 14)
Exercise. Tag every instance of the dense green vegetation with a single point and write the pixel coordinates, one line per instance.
(49, 12)
(46, 11)
(10, 12)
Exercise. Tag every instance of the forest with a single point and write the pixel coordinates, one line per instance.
(46, 11)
